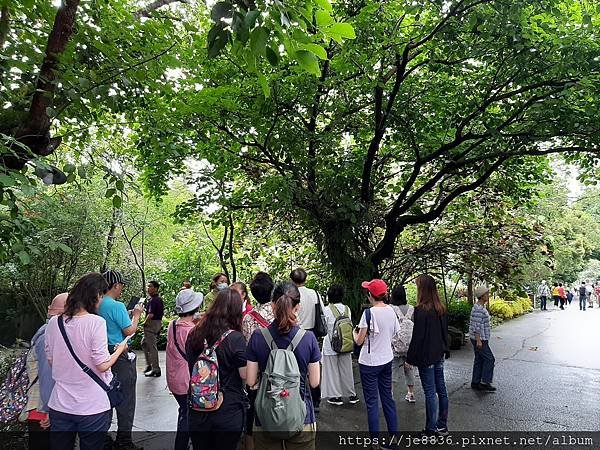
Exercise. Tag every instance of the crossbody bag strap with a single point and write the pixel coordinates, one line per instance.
(181, 352)
(85, 368)
(368, 317)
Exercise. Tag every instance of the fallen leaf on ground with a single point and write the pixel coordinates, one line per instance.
(533, 349)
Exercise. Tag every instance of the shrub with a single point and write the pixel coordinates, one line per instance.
(525, 304)
(459, 314)
(161, 343)
(500, 308)
(517, 308)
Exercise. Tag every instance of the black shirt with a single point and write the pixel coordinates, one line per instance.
(429, 341)
(231, 355)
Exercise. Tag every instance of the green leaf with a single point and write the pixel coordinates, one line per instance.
(69, 168)
(258, 41)
(272, 56)
(221, 10)
(110, 192)
(117, 201)
(340, 31)
(323, 18)
(250, 19)
(308, 61)
(120, 185)
(316, 49)
(24, 257)
(264, 84)
(50, 111)
(6, 180)
(65, 248)
(219, 43)
(324, 4)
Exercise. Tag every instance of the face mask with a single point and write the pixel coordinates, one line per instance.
(244, 306)
(222, 286)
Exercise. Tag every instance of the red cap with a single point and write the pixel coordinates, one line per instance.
(376, 287)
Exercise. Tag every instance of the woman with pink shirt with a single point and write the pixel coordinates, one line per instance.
(79, 405)
(187, 304)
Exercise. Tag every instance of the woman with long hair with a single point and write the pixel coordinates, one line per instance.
(78, 404)
(427, 349)
(286, 299)
(377, 326)
(221, 326)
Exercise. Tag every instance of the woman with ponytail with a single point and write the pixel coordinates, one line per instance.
(286, 304)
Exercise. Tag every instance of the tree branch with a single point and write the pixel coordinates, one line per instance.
(4, 25)
(147, 10)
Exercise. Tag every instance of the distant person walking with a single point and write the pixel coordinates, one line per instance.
(187, 304)
(582, 296)
(152, 326)
(570, 296)
(555, 294)
(38, 368)
(306, 317)
(562, 295)
(337, 378)
(427, 349)
(404, 312)
(78, 404)
(378, 325)
(479, 331)
(119, 325)
(543, 294)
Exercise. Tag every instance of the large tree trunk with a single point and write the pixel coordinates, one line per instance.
(35, 131)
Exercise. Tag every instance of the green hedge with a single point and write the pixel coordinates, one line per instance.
(136, 340)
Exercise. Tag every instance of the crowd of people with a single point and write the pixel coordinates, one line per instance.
(562, 295)
(239, 371)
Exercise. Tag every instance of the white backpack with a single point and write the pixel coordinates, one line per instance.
(401, 339)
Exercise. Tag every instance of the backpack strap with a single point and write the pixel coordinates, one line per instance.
(258, 318)
(297, 338)
(221, 339)
(368, 318)
(181, 352)
(266, 333)
(334, 310)
(85, 368)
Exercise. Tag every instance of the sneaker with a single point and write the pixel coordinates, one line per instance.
(475, 386)
(353, 399)
(487, 387)
(335, 401)
(152, 373)
(147, 369)
(410, 398)
(442, 431)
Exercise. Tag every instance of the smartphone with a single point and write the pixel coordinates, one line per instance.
(127, 339)
(134, 301)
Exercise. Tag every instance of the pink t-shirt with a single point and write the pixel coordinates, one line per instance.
(178, 372)
(74, 391)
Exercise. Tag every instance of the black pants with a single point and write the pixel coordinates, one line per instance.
(125, 371)
(556, 299)
(220, 429)
(39, 438)
(543, 300)
(251, 411)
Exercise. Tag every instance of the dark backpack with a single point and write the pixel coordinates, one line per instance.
(582, 291)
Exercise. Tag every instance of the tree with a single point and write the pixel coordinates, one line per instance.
(426, 104)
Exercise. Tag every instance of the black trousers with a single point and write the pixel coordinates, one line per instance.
(126, 372)
(220, 429)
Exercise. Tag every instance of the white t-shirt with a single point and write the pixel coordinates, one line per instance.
(306, 315)
(384, 325)
(330, 318)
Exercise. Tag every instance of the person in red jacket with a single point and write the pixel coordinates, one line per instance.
(562, 294)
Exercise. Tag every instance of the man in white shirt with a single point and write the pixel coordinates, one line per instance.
(306, 317)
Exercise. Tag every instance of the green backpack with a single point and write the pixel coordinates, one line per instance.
(279, 405)
(341, 336)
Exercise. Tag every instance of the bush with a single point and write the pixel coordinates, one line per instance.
(525, 304)
(501, 308)
(517, 308)
(459, 314)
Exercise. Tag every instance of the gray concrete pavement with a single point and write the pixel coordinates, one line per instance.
(547, 374)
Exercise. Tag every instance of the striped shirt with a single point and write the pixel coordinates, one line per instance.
(480, 323)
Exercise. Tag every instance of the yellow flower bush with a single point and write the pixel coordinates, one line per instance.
(505, 310)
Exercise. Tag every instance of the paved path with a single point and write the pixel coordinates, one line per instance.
(547, 374)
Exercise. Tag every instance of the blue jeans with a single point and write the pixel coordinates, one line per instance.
(432, 380)
(582, 301)
(91, 430)
(182, 438)
(543, 300)
(377, 382)
(483, 365)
